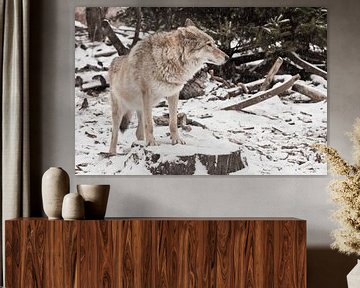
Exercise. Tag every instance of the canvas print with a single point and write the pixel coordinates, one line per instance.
(200, 91)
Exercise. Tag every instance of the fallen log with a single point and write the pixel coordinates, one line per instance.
(79, 82)
(99, 84)
(243, 59)
(233, 92)
(182, 121)
(219, 79)
(255, 85)
(306, 65)
(312, 56)
(244, 87)
(105, 54)
(239, 89)
(313, 93)
(270, 76)
(264, 95)
(164, 120)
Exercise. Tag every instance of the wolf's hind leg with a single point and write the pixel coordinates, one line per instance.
(117, 116)
(147, 118)
(174, 133)
(140, 127)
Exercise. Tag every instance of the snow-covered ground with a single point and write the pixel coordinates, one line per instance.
(274, 136)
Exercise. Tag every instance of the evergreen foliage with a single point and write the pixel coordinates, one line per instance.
(238, 30)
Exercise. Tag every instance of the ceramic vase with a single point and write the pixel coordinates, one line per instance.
(96, 198)
(353, 278)
(55, 185)
(73, 207)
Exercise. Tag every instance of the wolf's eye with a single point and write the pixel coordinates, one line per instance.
(209, 44)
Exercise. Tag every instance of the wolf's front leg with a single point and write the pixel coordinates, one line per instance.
(148, 121)
(174, 133)
(140, 128)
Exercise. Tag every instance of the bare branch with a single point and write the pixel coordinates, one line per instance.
(270, 76)
(264, 95)
(306, 65)
(109, 32)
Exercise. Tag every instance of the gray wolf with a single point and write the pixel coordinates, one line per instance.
(156, 67)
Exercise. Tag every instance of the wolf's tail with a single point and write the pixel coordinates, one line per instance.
(125, 122)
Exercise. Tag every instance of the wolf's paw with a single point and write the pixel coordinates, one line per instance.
(140, 134)
(140, 137)
(177, 140)
(152, 142)
(106, 155)
(112, 152)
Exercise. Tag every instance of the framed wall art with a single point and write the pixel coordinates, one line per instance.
(200, 91)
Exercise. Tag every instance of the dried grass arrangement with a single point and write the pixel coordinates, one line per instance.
(345, 191)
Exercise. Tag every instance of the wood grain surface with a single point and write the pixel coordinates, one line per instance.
(137, 253)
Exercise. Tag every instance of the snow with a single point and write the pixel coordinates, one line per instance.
(320, 81)
(275, 136)
(80, 25)
(200, 169)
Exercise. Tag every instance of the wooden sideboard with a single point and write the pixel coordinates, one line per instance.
(156, 252)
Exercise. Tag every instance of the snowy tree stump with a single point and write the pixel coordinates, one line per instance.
(205, 155)
(187, 165)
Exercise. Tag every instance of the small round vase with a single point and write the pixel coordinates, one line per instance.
(55, 185)
(73, 207)
(96, 198)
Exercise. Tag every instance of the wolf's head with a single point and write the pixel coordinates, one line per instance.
(200, 46)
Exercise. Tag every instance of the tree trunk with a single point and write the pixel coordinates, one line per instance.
(138, 26)
(94, 17)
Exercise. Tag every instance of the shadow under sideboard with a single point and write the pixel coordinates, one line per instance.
(328, 268)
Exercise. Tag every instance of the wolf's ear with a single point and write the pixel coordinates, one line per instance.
(189, 22)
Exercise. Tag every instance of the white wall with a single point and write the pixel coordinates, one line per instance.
(303, 197)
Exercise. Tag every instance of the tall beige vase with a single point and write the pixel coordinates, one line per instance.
(96, 198)
(55, 185)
